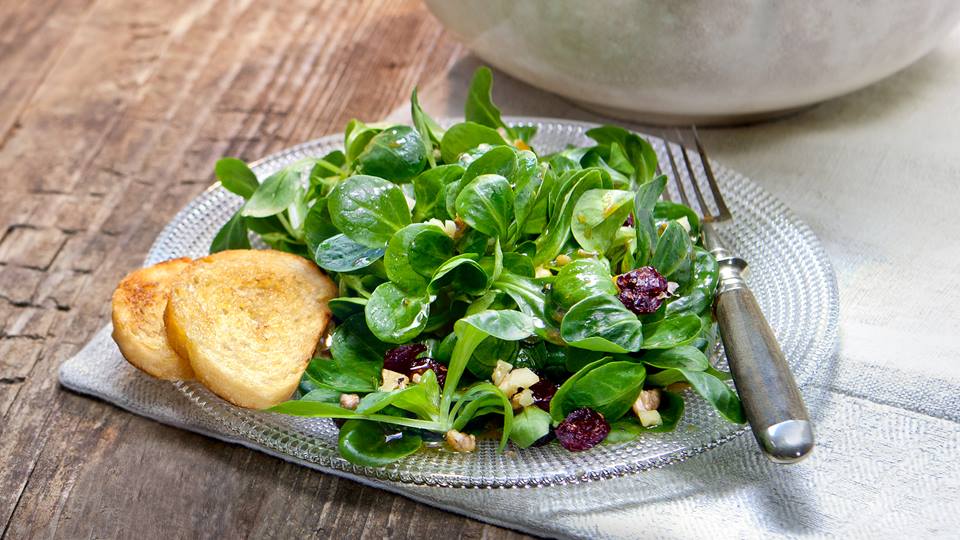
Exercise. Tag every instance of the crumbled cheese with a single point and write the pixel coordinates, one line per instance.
(685, 223)
(461, 442)
(645, 407)
(393, 381)
(500, 371)
(415, 378)
(517, 379)
(349, 401)
(522, 399)
(541, 272)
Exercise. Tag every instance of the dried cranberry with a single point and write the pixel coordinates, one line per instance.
(404, 359)
(401, 358)
(582, 430)
(629, 221)
(421, 365)
(641, 290)
(543, 391)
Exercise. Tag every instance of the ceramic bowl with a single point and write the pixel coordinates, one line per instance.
(709, 61)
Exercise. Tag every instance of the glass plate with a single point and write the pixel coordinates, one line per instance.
(789, 273)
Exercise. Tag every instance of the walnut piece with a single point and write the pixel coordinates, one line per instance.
(349, 401)
(522, 399)
(645, 407)
(517, 379)
(461, 442)
(500, 371)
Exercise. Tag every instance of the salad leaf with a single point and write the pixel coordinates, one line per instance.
(598, 215)
(429, 191)
(430, 132)
(341, 254)
(609, 388)
(395, 317)
(531, 425)
(578, 280)
(479, 106)
(558, 230)
(672, 331)
(369, 210)
(236, 177)
(398, 153)
(370, 444)
(466, 136)
(233, 235)
(673, 251)
(461, 272)
(275, 194)
(414, 253)
(602, 323)
(422, 399)
(486, 204)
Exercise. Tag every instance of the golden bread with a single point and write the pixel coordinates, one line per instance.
(138, 305)
(249, 321)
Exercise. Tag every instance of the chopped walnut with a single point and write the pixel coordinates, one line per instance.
(517, 379)
(650, 399)
(349, 401)
(500, 371)
(522, 399)
(393, 381)
(645, 407)
(461, 442)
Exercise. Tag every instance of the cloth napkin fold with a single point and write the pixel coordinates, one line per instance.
(887, 417)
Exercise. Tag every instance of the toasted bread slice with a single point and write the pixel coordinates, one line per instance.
(249, 321)
(138, 306)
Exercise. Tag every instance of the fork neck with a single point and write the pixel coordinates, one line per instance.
(731, 266)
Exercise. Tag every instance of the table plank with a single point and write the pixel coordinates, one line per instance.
(112, 113)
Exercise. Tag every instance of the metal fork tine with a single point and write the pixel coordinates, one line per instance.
(666, 144)
(676, 173)
(711, 179)
(704, 209)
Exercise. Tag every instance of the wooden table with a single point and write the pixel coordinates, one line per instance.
(112, 114)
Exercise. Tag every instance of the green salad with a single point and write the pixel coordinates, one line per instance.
(486, 289)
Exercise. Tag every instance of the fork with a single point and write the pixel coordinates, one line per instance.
(771, 400)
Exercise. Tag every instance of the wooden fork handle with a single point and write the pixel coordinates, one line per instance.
(771, 400)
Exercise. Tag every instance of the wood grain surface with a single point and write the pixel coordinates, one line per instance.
(112, 113)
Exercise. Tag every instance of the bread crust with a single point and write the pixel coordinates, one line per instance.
(138, 305)
(249, 321)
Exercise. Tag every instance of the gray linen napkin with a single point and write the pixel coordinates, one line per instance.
(888, 413)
